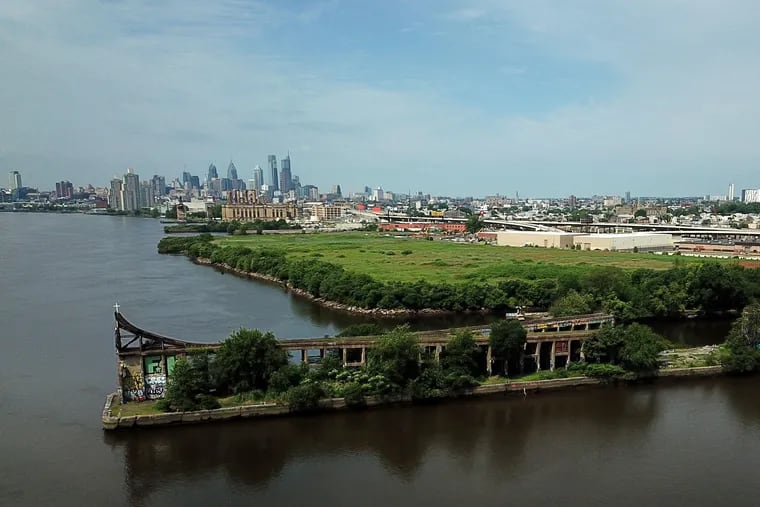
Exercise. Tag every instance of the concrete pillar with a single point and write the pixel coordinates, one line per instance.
(364, 356)
(489, 361)
(553, 356)
(569, 353)
(322, 353)
(345, 355)
(305, 356)
(538, 356)
(438, 349)
(583, 356)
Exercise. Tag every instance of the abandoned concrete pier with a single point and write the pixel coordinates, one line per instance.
(146, 359)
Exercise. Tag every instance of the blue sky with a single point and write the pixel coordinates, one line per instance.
(470, 97)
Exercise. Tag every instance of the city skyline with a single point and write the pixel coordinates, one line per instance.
(541, 98)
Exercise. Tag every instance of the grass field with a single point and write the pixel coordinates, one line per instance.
(387, 258)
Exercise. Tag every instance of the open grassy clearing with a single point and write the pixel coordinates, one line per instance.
(388, 259)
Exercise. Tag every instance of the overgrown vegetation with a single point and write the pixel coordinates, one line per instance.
(742, 351)
(355, 278)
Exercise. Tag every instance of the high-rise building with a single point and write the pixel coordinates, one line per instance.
(273, 177)
(131, 191)
(572, 201)
(14, 178)
(147, 194)
(116, 194)
(286, 177)
(195, 182)
(258, 178)
(186, 177)
(212, 174)
(628, 198)
(159, 185)
(232, 172)
(730, 191)
(64, 189)
(751, 195)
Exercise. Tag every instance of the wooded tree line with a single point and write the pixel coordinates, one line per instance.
(707, 287)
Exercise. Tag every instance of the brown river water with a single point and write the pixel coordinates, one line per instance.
(691, 442)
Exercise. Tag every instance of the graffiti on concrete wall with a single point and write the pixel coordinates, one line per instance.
(132, 385)
(155, 386)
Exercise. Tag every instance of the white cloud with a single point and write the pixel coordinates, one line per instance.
(89, 91)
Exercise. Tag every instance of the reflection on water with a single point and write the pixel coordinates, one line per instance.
(497, 436)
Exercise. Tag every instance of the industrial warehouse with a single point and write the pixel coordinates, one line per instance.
(636, 241)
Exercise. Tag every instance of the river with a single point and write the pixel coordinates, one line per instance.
(679, 443)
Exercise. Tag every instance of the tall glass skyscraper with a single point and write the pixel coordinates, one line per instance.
(274, 183)
(258, 178)
(286, 177)
(232, 172)
(212, 174)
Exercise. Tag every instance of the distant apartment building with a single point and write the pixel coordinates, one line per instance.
(751, 195)
(131, 191)
(14, 180)
(125, 193)
(64, 189)
(246, 205)
(325, 212)
(115, 195)
(148, 194)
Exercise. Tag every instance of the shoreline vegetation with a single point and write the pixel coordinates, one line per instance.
(368, 273)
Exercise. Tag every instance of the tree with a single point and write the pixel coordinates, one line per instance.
(396, 356)
(641, 348)
(742, 351)
(635, 347)
(247, 359)
(507, 341)
(183, 387)
(604, 345)
(460, 355)
(572, 303)
(474, 224)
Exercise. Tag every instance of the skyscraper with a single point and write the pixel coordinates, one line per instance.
(730, 191)
(258, 178)
(159, 185)
(14, 178)
(274, 180)
(212, 174)
(186, 177)
(131, 191)
(232, 172)
(286, 177)
(116, 194)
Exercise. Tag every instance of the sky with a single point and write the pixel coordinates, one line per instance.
(449, 97)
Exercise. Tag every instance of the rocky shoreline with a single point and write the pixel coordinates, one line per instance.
(332, 305)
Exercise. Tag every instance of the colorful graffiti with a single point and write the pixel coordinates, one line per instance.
(133, 388)
(156, 386)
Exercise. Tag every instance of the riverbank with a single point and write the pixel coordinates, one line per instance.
(112, 420)
(332, 305)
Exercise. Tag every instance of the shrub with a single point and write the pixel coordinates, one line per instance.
(353, 393)
(305, 396)
(604, 371)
